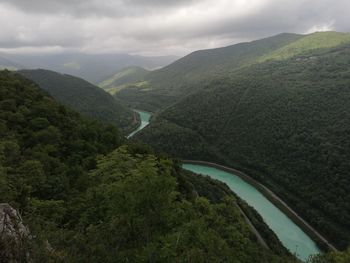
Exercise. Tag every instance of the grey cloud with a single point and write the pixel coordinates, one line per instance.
(113, 8)
(161, 26)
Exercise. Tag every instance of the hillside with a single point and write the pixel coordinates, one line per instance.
(187, 75)
(82, 198)
(129, 75)
(285, 122)
(315, 41)
(83, 97)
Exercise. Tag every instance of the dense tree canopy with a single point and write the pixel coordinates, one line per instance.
(285, 122)
(83, 97)
(86, 198)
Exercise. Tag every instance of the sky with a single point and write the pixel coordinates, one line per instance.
(158, 27)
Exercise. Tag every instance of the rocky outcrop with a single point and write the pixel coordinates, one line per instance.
(13, 236)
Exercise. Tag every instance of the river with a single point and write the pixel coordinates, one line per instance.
(145, 117)
(290, 234)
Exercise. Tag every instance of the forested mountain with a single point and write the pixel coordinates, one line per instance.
(83, 97)
(85, 200)
(92, 67)
(129, 75)
(161, 88)
(284, 121)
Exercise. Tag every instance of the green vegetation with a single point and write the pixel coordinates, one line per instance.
(86, 201)
(130, 75)
(191, 73)
(216, 191)
(310, 42)
(84, 97)
(334, 257)
(171, 83)
(284, 122)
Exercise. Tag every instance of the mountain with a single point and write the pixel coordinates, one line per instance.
(8, 64)
(92, 67)
(83, 97)
(284, 121)
(160, 88)
(129, 75)
(86, 197)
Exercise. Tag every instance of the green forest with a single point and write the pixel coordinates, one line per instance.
(285, 122)
(276, 109)
(161, 88)
(87, 195)
(84, 98)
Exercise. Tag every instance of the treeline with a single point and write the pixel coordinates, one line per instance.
(87, 198)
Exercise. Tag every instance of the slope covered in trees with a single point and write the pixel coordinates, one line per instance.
(129, 75)
(286, 122)
(83, 97)
(86, 201)
(187, 75)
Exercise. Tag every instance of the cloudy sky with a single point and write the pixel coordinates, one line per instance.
(158, 27)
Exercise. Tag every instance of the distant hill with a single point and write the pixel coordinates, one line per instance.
(161, 88)
(129, 75)
(92, 67)
(285, 121)
(8, 64)
(83, 97)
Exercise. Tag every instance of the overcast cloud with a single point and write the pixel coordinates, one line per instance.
(158, 27)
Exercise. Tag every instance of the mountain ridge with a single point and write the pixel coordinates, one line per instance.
(183, 76)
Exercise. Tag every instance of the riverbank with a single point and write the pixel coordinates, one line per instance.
(259, 238)
(321, 241)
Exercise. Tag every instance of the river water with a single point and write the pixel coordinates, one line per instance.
(291, 235)
(145, 117)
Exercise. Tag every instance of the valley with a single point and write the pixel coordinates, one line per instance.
(282, 120)
(276, 109)
(290, 234)
(195, 131)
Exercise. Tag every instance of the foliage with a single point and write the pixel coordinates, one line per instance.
(333, 257)
(86, 202)
(191, 73)
(318, 40)
(284, 122)
(217, 191)
(175, 81)
(136, 212)
(83, 97)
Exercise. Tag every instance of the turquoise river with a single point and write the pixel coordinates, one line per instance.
(145, 117)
